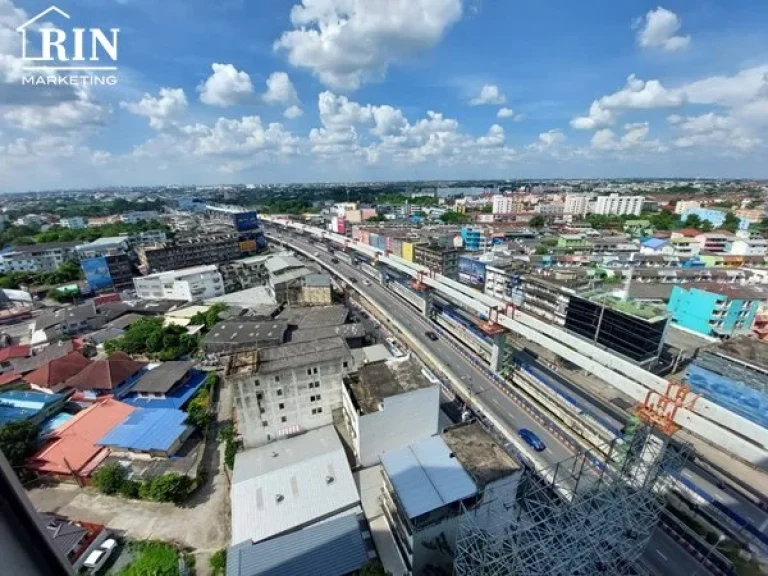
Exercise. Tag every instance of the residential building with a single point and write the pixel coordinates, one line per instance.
(200, 250)
(714, 242)
(108, 375)
(52, 377)
(74, 223)
(310, 290)
(188, 284)
(429, 486)
(282, 271)
(289, 486)
(502, 283)
(747, 247)
(36, 257)
(139, 216)
(714, 309)
(74, 540)
(104, 247)
(571, 241)
(550, 208)
(245, 273)
(440, 259)
(576, 205)
(389, 405)
(232, 336)
(506, 204)
(283, 390)
(340, 209)
(109, 273)
(148, 432)
(34, 407)
(71, 451)
(685, 247)
(39, 357)
(476, 239)
(167, 385)
(616, 205)
(682, 205)
(548, 297)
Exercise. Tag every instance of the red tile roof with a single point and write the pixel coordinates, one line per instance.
(73, 445)
(690, 232)
(58, 371)
(106, 374)
(9, 378)
(17, 351)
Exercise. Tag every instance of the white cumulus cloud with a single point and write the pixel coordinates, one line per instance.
(489, 94)
(227, 86)
(659, 29)
(348, 42)
(162, 110)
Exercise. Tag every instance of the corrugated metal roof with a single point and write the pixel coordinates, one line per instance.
(147, 429)
(426, 476)
(328, 548)
(281, 486)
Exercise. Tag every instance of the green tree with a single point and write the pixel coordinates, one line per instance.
(541, 250)
(373, 568)
(209, 318)
(731, 222)
(693, 221)
(706, 226)
(167, 488)
(199, 409)
(152, 559)
(451, 217)
(537, 222)
(218, 562)
(109, 478)
(18, 440)
(664, 220)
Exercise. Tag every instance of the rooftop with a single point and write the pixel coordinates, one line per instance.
(731, 292)
(147, 429)
(294, 355)
(480, 455)
(107, 373)
(58, 371)
(380, 380)
(343, 331)
(181, 272)
(426, 476)
(105, 241)
(176, 397)
(287, 484)
(277, 264)
(239, 333)
(317, 280)
(163, 377)
(42, 356)
(745, 349)
(125, 321)
(18, 405)
(257, 298)
(44, 247)
(315, 316)
(66, 535)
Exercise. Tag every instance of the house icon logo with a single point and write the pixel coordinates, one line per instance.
(74, 56)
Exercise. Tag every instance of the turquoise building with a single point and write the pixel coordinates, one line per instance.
(474, 239)
(715, 309)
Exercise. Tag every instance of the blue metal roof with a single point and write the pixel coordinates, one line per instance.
(654, 243)
(147, 429)
(175, 398)
(29, 400)
(426, 476)
(328, 548)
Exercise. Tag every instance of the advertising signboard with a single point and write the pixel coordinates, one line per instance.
(246, 221)
(471, 271)
(97, 272)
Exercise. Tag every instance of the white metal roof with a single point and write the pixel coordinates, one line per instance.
(426, 476)
(290, 483)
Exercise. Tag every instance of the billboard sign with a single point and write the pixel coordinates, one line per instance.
(246, 221)
(97, 272)
(471, 271)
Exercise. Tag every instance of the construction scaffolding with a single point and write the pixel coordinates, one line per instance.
(581, 517)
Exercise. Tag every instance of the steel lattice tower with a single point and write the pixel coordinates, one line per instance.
(580, 517)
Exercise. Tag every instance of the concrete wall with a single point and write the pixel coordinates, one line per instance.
(405, 419)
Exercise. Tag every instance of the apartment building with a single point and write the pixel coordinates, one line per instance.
(139, 216)
(440, 259)
(197, 251)
(245, 273)
(682, 205)
(503, 283)
(506, 204)
(112, 272)
(715, 309)
(428, 487)
(188, 284)
(284, 390)
(617, 205)
(715, 242)
(104, 247)
(550, 209)
(74, 223)
(389, 405)
(548, 297)
(747, 247)
(576, 205)
(37, 257)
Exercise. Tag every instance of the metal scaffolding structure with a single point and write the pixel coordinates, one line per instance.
(590, 519)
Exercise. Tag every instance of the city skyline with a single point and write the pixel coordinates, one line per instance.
(428, 89)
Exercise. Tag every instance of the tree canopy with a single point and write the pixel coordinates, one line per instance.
(17, 441)
(150, 338)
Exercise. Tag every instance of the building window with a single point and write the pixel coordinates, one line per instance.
(309, 372)
(279, 391)
(277, 378)
(256, 383)
(314, 398)
(264, 423)
(259, 396)
(283, 419)
(314, 370)
(316, 411)
(281, 406)
(344, 364)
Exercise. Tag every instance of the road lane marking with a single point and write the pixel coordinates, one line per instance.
(662, 555)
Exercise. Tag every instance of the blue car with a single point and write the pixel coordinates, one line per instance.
(533, 440)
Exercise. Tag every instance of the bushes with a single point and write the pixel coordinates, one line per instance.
(155, 558)
(149, 337)
(218, 562)
(199, 409)
(18, 440)
(110, 479)
(227, 435)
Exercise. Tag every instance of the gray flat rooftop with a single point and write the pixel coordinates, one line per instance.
(315, 317)
(746, 349)
(342, 331)
(299, 354)
(479, 454)
(379, 380)
(244, 332)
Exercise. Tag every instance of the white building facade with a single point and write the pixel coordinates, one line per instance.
(576, 204)
(683, 205)
(504, 204)
(616, 205)
(188, 284)
(36, 257)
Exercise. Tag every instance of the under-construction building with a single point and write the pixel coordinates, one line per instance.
(582, 517)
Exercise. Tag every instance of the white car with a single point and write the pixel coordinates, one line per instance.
(98, 557)
(367, 282)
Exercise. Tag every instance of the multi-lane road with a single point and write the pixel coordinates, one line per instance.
(663, 556)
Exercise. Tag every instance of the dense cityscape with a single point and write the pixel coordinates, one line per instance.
(379, 374)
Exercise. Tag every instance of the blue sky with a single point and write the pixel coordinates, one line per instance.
(328, 90)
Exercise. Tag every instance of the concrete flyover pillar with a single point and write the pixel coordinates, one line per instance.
(428, 304)
(497, 354)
